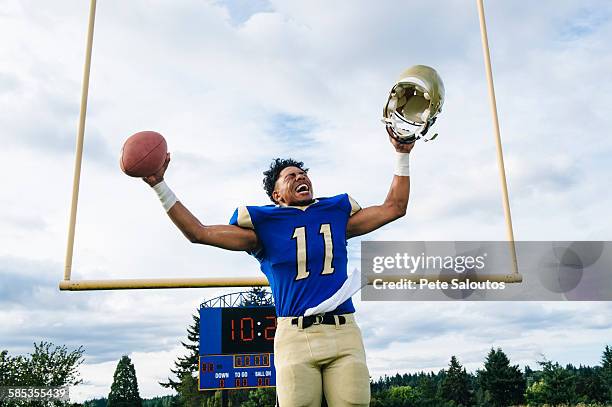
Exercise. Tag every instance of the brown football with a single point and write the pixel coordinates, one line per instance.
(143, 154)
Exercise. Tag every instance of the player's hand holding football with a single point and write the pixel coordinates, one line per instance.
(400, 147)
(158, 177)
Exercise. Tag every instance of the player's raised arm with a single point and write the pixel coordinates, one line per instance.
(396, 202)
(229, 237)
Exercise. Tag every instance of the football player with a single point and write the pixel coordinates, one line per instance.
(300, 243)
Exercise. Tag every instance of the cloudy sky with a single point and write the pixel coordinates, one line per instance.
(232, 84)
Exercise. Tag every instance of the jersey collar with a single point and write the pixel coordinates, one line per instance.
(302, 208)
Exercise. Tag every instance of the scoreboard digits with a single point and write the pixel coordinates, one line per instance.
(245, 330)
(237, 347)
(236, 371)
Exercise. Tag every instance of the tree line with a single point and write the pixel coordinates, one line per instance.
(499, 384)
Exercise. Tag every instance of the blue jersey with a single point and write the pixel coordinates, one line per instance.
(302, 250)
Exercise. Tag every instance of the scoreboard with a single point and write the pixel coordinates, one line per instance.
(237, 347)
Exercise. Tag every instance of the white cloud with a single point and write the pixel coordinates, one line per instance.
(215, 78)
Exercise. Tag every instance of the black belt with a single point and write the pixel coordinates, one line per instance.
(326, 319)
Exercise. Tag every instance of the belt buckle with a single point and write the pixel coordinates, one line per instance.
(318, 319)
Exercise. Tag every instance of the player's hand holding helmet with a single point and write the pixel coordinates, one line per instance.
(413, 104)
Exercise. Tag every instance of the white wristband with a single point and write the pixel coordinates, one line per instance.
(402, 164)
(165, 194)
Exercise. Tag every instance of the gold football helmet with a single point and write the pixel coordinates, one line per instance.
(413, 104)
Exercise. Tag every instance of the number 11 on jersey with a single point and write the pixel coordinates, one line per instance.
(299, 234)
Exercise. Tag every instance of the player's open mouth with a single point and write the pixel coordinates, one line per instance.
(302, 188)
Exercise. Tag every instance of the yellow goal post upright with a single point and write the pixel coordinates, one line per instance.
(67, 284)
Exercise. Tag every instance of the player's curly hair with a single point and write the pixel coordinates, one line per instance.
(271, 175)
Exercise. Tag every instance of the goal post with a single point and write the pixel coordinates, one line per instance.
(67, 284)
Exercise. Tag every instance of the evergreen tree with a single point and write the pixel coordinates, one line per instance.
(257, 296)
(189, 362)
(124, 390)
(186, 371)
(160, 401)
(503, 385)
(102, 402)
(529, 375)
(188, 393)
(456, 384)
(264, 397)
(590, 387)
(427, 388)
(558, 383)
(606, 371)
